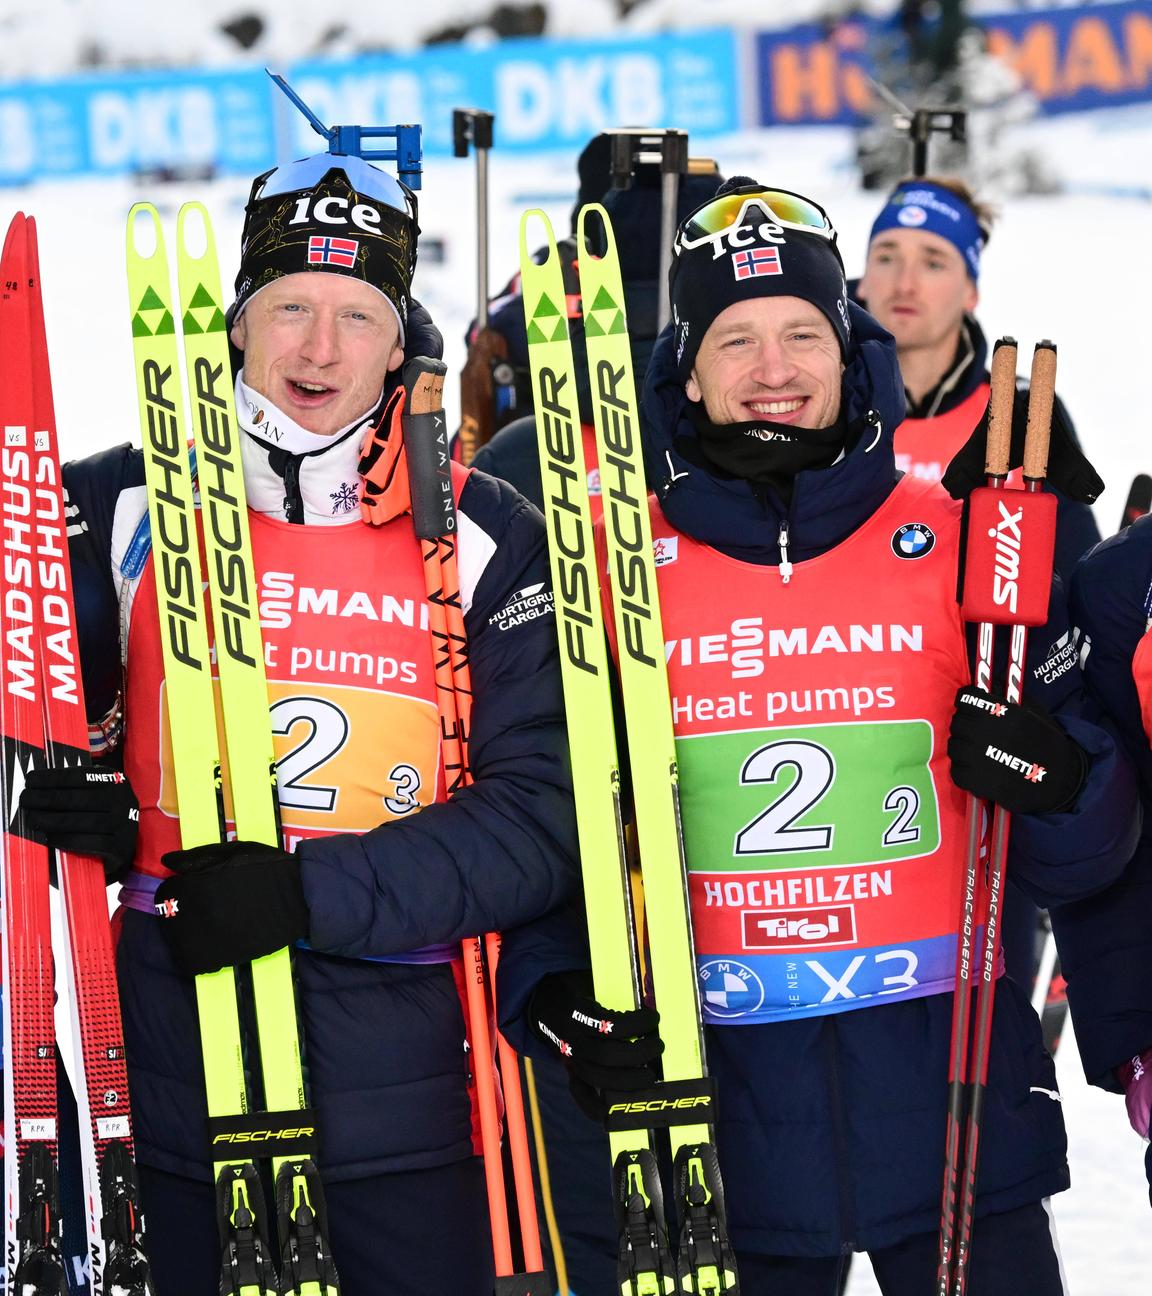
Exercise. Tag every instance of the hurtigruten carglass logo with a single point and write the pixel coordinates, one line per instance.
(529, 604)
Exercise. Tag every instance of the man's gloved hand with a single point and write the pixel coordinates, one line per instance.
(1014, 755)
(1136, 1077)
(86, 810)
(602, 1048)
(230, 903)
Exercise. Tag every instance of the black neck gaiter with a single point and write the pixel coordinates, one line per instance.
(766, 452)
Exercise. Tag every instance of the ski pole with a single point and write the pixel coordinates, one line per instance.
(1031, 520)
(442, 506)
(1003, 389)
(425, 476)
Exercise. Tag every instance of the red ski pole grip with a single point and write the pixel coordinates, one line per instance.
(1008, 564)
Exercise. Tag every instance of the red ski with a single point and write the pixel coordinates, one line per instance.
(44, 722)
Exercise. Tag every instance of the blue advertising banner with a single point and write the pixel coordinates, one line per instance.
(110, 125)
(1068, 59)
(545, 94)
(1073, 59)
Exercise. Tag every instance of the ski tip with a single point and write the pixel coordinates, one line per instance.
(194, 231)
(536, 214)
(15, 227)
(605, 239)
(143, 232)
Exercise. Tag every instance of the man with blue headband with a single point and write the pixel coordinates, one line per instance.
(381, 876)
(921, 281)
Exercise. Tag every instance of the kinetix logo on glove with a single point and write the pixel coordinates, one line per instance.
(983, 704)
(564, 1047)
(1031, 771)
(167, 908)
(597, 1024)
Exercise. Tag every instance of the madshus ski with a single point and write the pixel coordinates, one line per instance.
(44, 723)
(700, 1260)
(303, 1265)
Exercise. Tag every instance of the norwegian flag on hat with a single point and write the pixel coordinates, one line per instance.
(323, 250)
(756, 261)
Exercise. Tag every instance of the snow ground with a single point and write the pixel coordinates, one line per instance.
(1076, 268)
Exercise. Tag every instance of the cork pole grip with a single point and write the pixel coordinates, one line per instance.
(1040, 401)
(427, 392)
(999, 444)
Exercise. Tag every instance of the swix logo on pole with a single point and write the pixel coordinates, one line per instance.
(1006, 534)
(1008, 561)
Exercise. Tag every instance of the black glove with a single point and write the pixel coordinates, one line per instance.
(230, 902)
(603, 1049)
(1014, 755)
(86, 810)
(1068, 468)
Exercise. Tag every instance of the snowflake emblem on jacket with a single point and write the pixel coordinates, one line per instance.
(345, 499)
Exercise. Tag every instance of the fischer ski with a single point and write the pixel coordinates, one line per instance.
(248, 1266)
(649, 1264)
(43, 705)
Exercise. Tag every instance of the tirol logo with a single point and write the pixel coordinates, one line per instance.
(665, 550)
(913, 540)
(912, 215)
(730, 988)
(777, 929)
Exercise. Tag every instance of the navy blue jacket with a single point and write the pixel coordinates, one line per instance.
(831, 1129)
(384, 1042)
(1106, 944)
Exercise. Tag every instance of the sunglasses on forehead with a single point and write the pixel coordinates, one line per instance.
(788, 210)
(363, 178)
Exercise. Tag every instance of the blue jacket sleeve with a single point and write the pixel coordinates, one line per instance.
(1105, 943)
(97, 500)
(502, 851)
(1059, 858)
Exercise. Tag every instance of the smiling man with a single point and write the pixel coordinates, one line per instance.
(824, 816)
(381, 876)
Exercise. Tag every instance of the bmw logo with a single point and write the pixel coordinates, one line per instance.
(913, 540)
(729, 988)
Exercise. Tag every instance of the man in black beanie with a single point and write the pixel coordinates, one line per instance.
(826, 737)
(378, 875)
